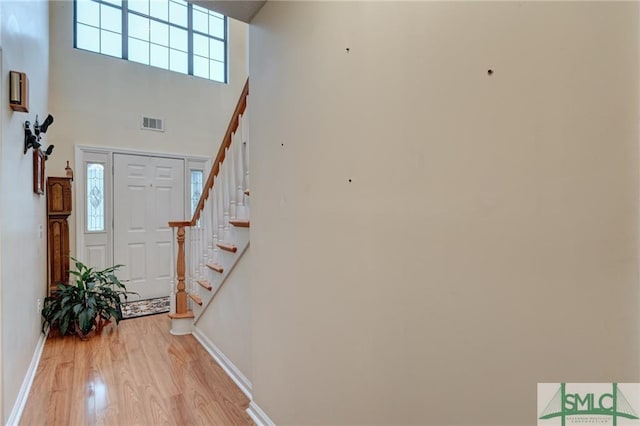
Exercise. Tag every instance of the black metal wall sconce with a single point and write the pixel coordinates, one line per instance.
(32, 138)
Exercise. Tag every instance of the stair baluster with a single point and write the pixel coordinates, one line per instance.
(245, 135)
(220, 217)
(192, 233)
(217, 219)
(196, 255)
(226, 200)
(204, 224)
(211, 227)
(204, 253)
(230, 180)
(239, 170)
(199, 260)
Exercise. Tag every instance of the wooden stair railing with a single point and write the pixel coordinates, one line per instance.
(220, 205)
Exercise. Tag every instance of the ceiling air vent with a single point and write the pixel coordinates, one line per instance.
(156, 124)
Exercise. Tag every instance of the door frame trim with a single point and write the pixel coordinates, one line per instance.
(79, 199)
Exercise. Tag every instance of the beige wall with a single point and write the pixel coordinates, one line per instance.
(227, 320)
(24, 28)
(488, 239)
(98, 100)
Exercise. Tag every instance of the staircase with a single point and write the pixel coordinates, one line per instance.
(211, 243)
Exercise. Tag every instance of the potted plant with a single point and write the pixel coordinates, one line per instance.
(90, 302)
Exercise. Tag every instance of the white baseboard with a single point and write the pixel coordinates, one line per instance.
(258, 416)
(232, 371)
(23, 394)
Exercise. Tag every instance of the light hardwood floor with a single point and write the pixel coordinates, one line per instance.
(133, 374)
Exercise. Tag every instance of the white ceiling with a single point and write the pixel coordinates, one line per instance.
(242, 10)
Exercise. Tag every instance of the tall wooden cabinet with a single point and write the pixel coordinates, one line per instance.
(58, 210)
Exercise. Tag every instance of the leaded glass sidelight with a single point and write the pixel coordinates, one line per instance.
(95, 197)
(196, 188)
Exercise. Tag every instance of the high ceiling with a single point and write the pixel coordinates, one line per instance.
(242, 10)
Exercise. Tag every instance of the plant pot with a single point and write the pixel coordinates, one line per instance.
(80, 334)
(101, 324)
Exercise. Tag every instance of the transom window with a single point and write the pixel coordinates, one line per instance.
(171, 34)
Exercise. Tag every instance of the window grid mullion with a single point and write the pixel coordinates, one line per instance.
(125, 30)
(190, 39)
(162, 21)
(211, 36)
(100, 29)
(75, 25)
(226, 66)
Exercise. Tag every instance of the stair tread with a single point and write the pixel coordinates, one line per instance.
(216, 267)
(240, 223)
(227, 247)
(188, 314)
(195, 298)
(205, 284)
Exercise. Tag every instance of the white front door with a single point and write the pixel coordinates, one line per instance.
(148, 192)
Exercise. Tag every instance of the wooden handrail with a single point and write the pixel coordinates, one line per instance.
(181, 294)
(226, 143)
(179, 223)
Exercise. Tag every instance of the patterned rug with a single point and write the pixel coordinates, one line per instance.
(141, 308)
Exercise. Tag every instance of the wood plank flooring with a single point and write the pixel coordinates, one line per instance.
(133, 374)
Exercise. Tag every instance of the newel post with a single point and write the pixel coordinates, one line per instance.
(181, 294)
(182, 320)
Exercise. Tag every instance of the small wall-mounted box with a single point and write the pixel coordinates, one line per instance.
(18, 91)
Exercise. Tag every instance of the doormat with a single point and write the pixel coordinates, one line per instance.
(142, 308)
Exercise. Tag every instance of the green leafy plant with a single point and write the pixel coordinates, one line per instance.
(90, 302)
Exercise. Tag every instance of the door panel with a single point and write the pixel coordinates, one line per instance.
(148, 192)
(95, 256)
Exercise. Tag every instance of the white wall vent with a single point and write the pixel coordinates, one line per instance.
(156, 124)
